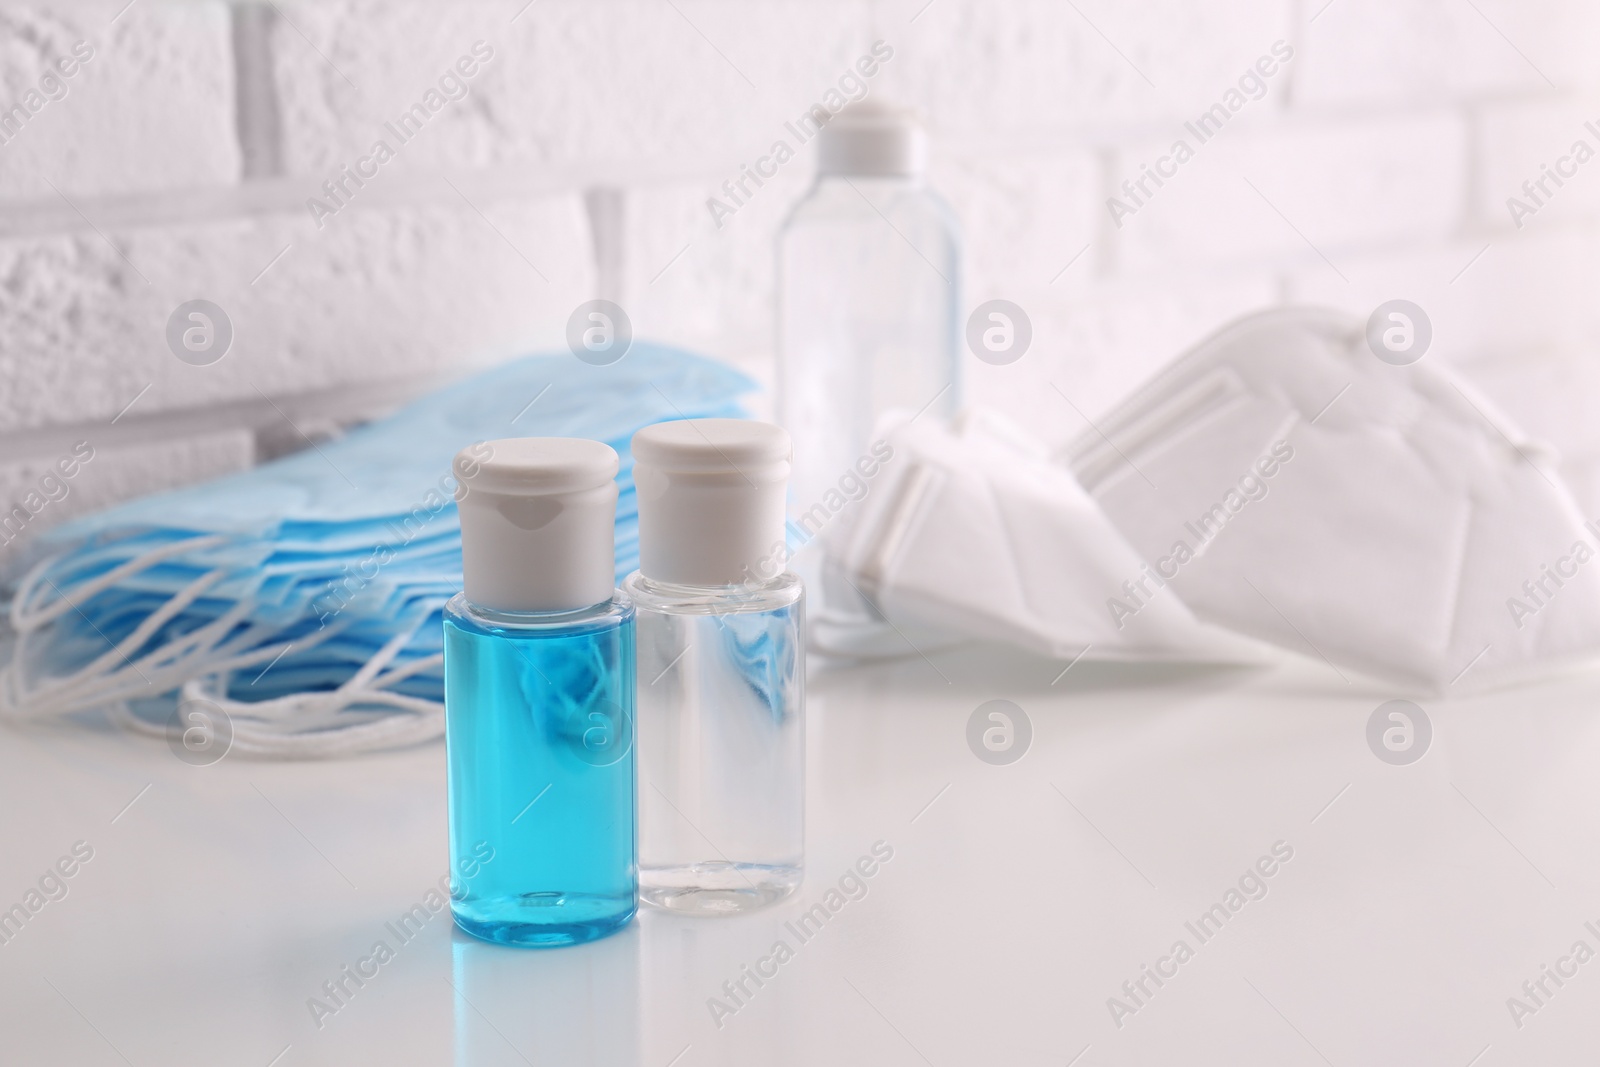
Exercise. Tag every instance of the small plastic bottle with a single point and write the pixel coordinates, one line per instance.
(539, 698)
(868, 307)
(721, 669)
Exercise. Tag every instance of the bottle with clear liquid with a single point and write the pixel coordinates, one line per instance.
(539, 699)
(868, 322)
(721, 640)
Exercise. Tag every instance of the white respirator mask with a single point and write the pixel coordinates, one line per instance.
(1279, 481)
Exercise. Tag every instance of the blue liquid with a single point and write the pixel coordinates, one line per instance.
(539, 717)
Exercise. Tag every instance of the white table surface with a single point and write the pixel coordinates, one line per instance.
(1018, 900)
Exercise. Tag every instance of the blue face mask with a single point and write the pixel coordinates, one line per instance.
(302, 597)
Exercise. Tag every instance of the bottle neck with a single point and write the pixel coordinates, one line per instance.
(753, 595)
(557, 619)
(914, 180)
(753, 583)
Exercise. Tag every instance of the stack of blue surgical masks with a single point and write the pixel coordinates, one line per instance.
(302, 598)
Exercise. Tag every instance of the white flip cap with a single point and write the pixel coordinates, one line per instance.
(711, 499)
(538, 523)
(872, 140)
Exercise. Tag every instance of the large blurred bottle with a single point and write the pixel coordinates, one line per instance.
(868, 292)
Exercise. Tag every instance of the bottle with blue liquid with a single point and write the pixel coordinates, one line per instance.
(539, 697)
(721, 722)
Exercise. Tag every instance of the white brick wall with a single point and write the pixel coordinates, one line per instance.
(115, 471)
(621, 81)
(1382, 51)
(177, 161)
(151, 107)
(397, 291)
(1288, 192)
(1523, 142)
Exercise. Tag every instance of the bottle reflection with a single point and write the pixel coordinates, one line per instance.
(560, 1006)
(703, 992)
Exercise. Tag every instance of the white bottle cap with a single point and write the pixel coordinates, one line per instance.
(872, 140)
(711, 499)
(538, 523)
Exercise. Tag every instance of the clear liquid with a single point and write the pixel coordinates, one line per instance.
(868, 321)
(539, 724)
(721, 744)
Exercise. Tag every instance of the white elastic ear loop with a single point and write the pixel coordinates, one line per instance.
(95, 677)
(301, 725)
(113, 675)
(25, 618)
(296, 726)
(157, 671)
(266, 739)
